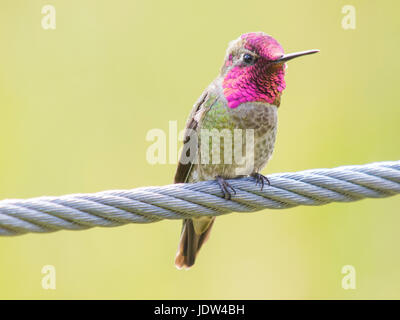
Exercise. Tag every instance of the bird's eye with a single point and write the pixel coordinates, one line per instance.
(248, 58)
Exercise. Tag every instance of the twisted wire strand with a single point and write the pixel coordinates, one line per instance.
(177, 201)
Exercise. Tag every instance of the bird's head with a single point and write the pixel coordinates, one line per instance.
(254, 69)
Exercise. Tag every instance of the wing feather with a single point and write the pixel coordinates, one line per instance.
(192, 126)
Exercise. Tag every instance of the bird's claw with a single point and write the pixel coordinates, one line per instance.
(261, 179)
(225, 186)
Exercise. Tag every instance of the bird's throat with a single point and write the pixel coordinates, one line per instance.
(262, 83)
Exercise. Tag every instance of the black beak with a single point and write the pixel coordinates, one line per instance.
(290, 56)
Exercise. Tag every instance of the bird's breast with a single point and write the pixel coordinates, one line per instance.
(236, 141)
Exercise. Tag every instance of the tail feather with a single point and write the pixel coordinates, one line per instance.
(194, 235)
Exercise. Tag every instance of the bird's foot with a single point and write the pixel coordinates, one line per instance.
(261, 179)
(225, 186)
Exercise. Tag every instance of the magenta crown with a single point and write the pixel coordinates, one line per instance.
(263, 45)
(262, 81)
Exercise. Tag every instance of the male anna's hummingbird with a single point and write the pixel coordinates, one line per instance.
(245, 95)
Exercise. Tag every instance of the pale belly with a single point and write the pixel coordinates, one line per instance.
(252, 128)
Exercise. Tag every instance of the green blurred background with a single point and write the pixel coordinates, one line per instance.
(77, 102)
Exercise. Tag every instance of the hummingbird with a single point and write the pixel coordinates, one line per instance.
(245, 95)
